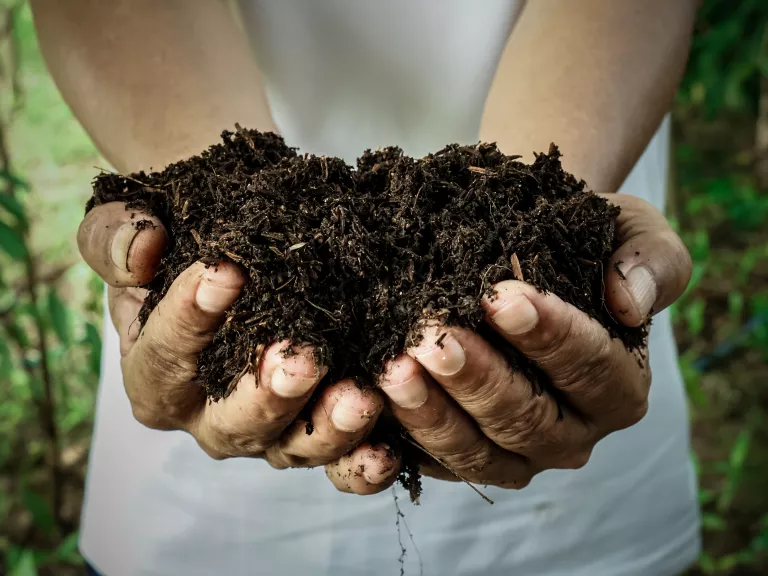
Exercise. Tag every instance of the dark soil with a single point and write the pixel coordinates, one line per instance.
(351, 260)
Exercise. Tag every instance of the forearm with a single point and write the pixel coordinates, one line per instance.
(594, 76)
(151, 82)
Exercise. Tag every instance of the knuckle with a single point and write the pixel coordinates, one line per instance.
(277, 463)
(163, 359)
(471, 461)
(637, 412)
(582, 370)
(236, 442)
(294, 461)
(518, 482)
(576, 460)
(555, 338)
(526, 426)
(212, 452)
(150, 417)
(186, 326)
(240, 444)
(523, 480)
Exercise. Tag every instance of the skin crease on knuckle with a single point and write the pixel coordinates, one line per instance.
(471, 462)
(527, 426)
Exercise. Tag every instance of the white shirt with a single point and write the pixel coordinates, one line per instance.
(342, 76)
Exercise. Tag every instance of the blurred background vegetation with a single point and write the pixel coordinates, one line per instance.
(51, 304)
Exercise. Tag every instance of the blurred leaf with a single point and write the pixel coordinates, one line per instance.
(25, 565)
(60, 317)
(67, 551)
(13, 179)
(694, 316)
(700, 250)
(729, 562)
(17, 333)
(15, 208)
(738, 455)
(42, 514)
(93, 341)
(735, 306)
(713, 522)
(691, 378)
(706, 496)
(747, 264)
(5, 358)
(12, 243)
(706, 563)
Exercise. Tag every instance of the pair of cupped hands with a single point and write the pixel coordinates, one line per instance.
(457, 396)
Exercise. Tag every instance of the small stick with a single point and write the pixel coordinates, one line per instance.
(451, 470)
(517, 271)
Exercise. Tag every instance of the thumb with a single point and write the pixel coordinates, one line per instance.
(121, 246)
(650, 269)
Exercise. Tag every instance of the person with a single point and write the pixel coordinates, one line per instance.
(177, 485)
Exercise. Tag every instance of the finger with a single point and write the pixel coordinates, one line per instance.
(256, 413)
(341, 417)
(597, 374)
(366, 470)
(162, 363)
(445, 431)
(651, 268)
(504, 404)
(123, 247)
(124, 307)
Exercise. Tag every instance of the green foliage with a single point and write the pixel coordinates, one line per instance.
(728, 56)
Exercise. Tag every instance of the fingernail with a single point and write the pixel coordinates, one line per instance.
(514, 314)
(378, 471)
(121, 245)
(439, 352)
(408, 394)
(348, 416)
(292, 384)
(642, 287)
(216, 292)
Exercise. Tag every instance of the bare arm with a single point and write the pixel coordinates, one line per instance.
(152, 82)
(594, 76)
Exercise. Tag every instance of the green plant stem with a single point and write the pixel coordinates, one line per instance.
(45, 405)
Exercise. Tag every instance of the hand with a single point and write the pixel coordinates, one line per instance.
(159, 366)
(463, 404)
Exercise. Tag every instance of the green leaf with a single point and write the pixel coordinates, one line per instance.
(706, 496)
(42, 515)
(25, 565)
(60, 317)
(694, 316)
(735, 466)
(713, 522)
(740, 449)
(5, 359)
(67, 551)
(15, 208)
(706, 563)
(729, 562)
(735, 305)
(692, 379)
(12, 243)
(13, 179)
(93, 341)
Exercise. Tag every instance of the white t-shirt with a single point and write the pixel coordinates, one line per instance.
(342, 76)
